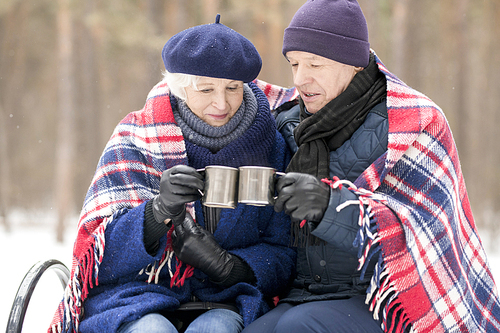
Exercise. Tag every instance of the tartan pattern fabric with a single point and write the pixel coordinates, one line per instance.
(277, 95)
(154, 132)
(123, 179)
(433, 273)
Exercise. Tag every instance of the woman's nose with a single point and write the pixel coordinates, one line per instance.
(219, 101)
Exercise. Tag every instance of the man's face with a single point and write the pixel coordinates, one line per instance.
(319, 79)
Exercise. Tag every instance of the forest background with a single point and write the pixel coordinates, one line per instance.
(70, 70)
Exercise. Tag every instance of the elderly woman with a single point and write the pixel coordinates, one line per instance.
(143, 259)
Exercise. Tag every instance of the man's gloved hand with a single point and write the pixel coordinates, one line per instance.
(178, 185)
(302, 196)
(197, 247)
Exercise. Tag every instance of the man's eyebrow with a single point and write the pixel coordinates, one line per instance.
(309, 57)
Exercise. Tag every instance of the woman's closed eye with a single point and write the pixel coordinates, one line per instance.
(206, 91)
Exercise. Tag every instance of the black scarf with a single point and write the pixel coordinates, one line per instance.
(326, 130)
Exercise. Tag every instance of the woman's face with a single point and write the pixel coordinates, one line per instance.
(215, 101)
(319, 79)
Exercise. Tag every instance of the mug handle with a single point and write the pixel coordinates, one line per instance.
(202, 170)
(279, 174)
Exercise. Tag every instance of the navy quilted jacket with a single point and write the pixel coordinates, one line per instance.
(329, 270)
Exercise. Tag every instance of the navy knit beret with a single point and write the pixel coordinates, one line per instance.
(334, 29)
(212, 50)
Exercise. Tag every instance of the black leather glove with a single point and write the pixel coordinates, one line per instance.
(197, 247)
(302, 196)
(178, 185)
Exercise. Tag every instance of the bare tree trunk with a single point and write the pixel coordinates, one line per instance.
(275, 35)
(399, 36)
(88, 105)
(4, 171)
(65, 142)
(13, 71)
(210, 9)
(462, 77)
(155, 19)
(176, 13)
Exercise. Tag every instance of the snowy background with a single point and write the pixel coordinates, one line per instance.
(28, 243)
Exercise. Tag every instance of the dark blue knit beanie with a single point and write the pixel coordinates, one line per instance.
(212, 50)
(334, 29)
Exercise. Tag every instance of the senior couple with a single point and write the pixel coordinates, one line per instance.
(371, 230)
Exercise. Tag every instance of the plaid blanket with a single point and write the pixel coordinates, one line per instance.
(432, 274)
(112, 190)
(120, 184)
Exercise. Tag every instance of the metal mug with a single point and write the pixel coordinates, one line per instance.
(220, 187)
(256, 185)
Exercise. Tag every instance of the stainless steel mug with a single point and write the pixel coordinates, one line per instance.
(220, 187)
(256, 185)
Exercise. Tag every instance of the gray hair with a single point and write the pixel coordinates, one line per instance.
(177, 82)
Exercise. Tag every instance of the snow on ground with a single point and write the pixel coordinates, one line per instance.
(24, 246)
(21, 249)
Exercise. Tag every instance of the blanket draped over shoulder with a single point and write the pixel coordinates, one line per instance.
(432, 273)
(144, 143)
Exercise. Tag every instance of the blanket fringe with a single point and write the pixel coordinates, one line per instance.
(381, 294)
(84, 277)
(176, 278)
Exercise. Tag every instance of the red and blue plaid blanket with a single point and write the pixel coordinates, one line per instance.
(433, 274)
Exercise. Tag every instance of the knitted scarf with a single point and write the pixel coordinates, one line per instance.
(214, 138)
(330, 127)
(432, 273)
(142, 146)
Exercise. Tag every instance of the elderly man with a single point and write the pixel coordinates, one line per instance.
(385, 235)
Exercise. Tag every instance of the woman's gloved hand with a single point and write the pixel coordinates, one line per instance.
(197, 247)
(178, 185)
(302, 196)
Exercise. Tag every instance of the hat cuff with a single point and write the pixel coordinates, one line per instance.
(346, 50)
(209, 72)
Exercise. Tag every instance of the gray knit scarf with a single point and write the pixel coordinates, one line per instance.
(214, 138)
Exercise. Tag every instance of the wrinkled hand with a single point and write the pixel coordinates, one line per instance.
(197, 247)
(302, 196)
(178, 185)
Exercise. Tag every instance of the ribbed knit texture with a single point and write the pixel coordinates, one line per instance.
(240, 272)
(153, 230)
(334, 29)
(258, 138)
(215, 138)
